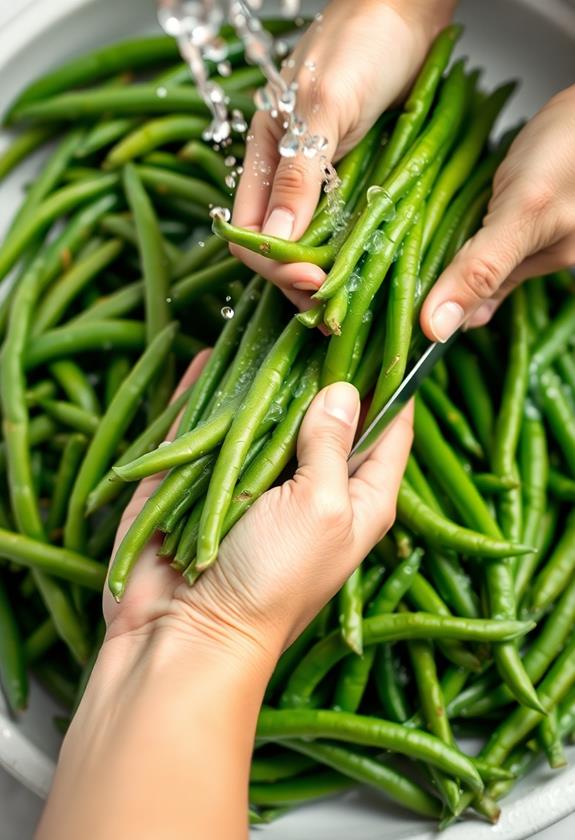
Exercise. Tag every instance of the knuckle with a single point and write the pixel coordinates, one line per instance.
(481, 276)
(535, 201)
(330, 511)
(290, 179)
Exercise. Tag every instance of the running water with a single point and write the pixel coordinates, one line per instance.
(195, 24)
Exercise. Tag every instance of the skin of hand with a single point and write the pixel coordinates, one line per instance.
(160, 745)
(350, 66)
(529, 228)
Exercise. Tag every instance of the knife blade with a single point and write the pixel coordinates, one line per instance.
(400, 397)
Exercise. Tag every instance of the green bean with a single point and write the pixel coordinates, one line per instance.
(284, 765)
(135, 99)
(451, 418)
(104, 134)
(209, 162)
(368, 771)
(390, 689)
(418, 103)
(72, 416)
(236, 445)
(554, 339)
(534, 471)
(202, 440)
(557, 571)
(103, 62)
(443, 533)
(148, 136)
(320, 723)
(464, 158)
(294, 653)
(399, 318)
(72, 455)
(116, 372)
(45, 389)
(272, 247)
(276, 454)
(40, 640)
(76, 385)
(212, 278)
(373, 272)
(19, 149)
(561, 486)
(433, 710)
(72, 283)
(156, 281)
(424, 597)
(64, 564)
(213, 370)
(550, 741)
(470, 223)
(59, 203)
(107, 490)
(13, 674)
(167, 184)
(203, 253)
(427, 150)
(546, 647)
(110, 431)
(441, 460)
(121, 226)
(46, 181)
(490, 484)
(474, 392)
(521, 721)
(300, 789)
(351, 608)
(557, 410)
(382, 628)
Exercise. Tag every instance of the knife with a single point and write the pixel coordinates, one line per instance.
(400, 397)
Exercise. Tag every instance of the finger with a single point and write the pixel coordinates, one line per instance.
(261, 160)
(375, 485)
(475, 276)
(146, 487)
(326, 438)
(297, 183)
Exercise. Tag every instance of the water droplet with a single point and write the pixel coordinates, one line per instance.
(310, 65)
(201, 244)
(286, 101)
(220, 213)
(298, 127)
(224, 68)
(376, 242)
(228, 298)
(168, 300)
(227, 312)
(161, 92)
(238, 121)
(263, 100)
(354, 281)
(275, 412)
(230, 181)
(289, 145)
(281, 48)
(229, 160)
(216, 50)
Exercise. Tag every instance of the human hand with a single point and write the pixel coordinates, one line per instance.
(529, 228)
(289, 554)
(349, 67)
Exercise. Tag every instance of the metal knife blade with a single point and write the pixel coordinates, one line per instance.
(396, 402)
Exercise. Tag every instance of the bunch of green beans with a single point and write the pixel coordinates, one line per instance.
(465, 613)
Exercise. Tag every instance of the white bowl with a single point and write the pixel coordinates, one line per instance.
(523, 39)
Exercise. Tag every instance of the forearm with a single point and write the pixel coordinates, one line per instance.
(160, 746)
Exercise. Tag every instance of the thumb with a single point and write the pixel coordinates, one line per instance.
(296, 187)
(473, 284)
(326, 437)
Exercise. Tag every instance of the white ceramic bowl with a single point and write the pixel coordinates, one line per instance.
(526, 39)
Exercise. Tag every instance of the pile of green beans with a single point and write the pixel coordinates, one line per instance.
(464, 615)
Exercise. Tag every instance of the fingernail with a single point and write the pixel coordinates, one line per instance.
(482, 314)
(446, 319)
(280, 223)
(341, 401)
(306, 286)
